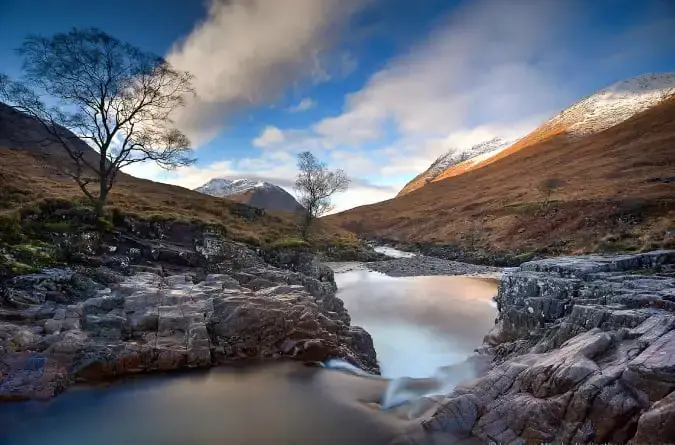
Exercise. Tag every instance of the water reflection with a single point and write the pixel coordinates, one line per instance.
(419, 324)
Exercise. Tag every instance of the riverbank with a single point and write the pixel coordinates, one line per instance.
(160, 297)
(399, 263)
(420, 265)
(462, 253)
(585, 353)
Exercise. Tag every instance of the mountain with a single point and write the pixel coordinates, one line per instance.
(254, 193)
(453, 157)
(611, 158)
(32, 180)
(19, 131)
(593, 114)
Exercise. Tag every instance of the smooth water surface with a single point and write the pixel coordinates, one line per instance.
(419, 324)
(286, 403)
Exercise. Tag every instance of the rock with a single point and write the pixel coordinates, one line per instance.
(154, 323)
(584, 353)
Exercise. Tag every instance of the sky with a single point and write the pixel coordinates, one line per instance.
(378, 88)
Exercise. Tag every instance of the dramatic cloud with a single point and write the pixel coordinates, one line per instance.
(247, 51)
(304, 105)
(491, 68)
(488, 63)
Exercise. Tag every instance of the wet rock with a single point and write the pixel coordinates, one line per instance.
(584, 353)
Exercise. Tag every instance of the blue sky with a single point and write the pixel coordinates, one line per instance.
(379, 88)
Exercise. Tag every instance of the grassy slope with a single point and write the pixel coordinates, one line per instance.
(609, 200)
(28, 177)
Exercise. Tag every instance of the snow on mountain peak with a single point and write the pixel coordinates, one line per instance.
(615, 104)
(454, 156)
(224, 187)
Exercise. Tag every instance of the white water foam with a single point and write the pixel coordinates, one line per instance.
(408, 390)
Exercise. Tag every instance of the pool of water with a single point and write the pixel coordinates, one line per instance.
(419, 324)
(286, 403)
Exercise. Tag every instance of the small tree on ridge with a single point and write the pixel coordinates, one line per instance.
(315, 185)
(108, 93)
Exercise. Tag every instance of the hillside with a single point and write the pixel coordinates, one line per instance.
(32, 173)
(454, 157)
(593, 114)
(617, 192)
(259, 194)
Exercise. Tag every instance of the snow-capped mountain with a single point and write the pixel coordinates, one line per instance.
(593, 114)
(615, 104)
(454, 157)
(255, 193)
(224, 187)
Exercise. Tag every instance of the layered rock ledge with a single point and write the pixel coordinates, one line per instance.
(584, 352)
(66, 326)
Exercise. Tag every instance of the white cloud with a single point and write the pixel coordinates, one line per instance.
(304, 105)
(473, 79)
(247, 51)
(270, 135)
(478, 68)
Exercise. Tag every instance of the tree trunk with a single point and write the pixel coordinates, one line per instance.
(307, 222)
(99, 205)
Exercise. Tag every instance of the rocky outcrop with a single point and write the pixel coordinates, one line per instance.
(158, 305)
(584, 353)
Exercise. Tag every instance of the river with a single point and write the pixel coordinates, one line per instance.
(418, 324)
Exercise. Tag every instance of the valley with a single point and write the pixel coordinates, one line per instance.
(338, 222)
(611, 192)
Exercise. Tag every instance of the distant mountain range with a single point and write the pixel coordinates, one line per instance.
(610, 155)
(255, 193)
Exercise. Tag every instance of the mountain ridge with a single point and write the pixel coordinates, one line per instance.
(450, 158)
(253, 192)
(592, 114)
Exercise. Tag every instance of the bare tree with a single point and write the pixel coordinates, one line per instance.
(108, 93)
(315, 185)
(548, 186)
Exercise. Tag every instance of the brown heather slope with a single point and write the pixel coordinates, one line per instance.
(417, 182)
(618, 193)
(28, 177)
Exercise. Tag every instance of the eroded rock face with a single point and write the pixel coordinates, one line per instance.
(150, 322)
(585, 352)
